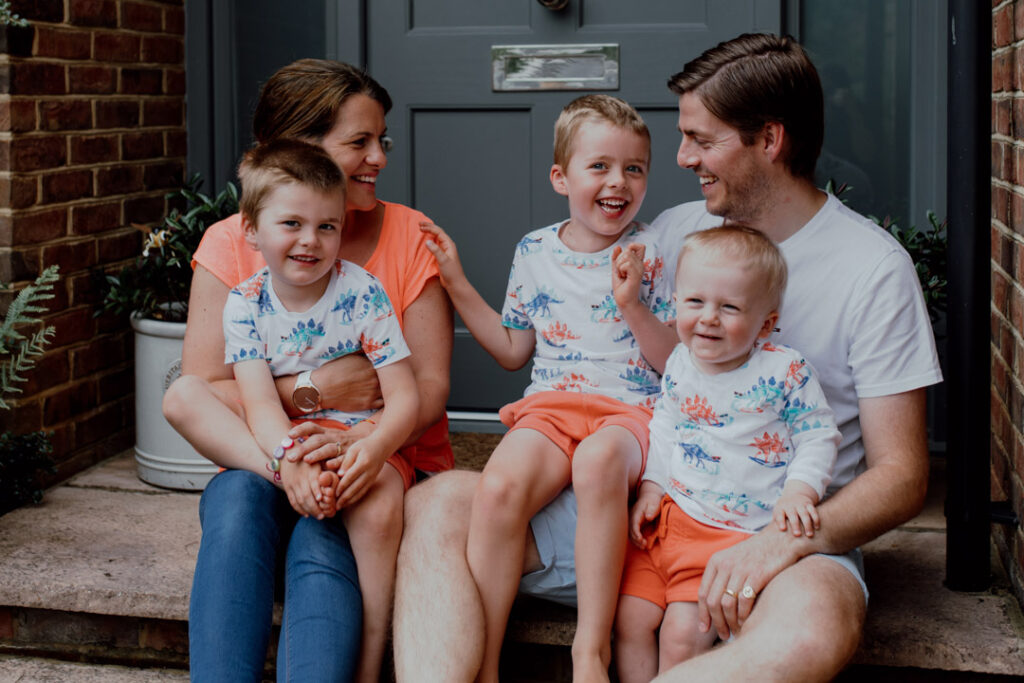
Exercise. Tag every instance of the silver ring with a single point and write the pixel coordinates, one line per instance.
(730, 592)
(748, 592)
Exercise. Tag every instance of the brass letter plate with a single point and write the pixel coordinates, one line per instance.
(555, 67)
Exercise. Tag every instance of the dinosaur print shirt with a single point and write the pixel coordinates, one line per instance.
(582, 342)
(723, 446)
(353, 315)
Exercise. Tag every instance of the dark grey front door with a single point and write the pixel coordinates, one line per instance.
(476, 161)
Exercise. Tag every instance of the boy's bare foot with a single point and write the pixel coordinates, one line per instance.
(328, 482)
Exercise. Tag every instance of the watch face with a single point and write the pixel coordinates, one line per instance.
(306, 399)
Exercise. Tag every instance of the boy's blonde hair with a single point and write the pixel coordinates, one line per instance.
(604, 108)
(742, 244)
(270, 165)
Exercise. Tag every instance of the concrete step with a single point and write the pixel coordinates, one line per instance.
(14, 669)
(101, 571)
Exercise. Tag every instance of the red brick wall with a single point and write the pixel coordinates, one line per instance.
(1007, 309)
(92, 134)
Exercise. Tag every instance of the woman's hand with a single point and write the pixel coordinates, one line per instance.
(317, 444)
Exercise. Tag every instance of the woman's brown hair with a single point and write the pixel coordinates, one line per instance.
(301, 100)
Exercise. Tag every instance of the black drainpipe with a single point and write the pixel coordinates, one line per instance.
(968, 377)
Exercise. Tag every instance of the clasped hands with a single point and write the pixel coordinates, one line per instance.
(329, 469)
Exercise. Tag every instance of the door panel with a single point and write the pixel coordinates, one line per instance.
(476, 161)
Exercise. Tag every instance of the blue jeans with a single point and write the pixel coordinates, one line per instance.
(246, 523)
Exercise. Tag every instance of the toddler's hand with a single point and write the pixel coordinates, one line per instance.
(646, 509)
(443, 248)
(796, 511)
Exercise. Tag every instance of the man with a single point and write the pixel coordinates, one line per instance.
(750, 114)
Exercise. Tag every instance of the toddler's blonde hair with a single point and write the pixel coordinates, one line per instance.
(604, 108)
(742, 244)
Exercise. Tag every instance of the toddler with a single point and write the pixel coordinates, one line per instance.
(741, 436)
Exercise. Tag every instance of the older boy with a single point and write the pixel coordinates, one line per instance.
(584, 417)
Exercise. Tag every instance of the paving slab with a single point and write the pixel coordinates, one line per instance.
(915, 621)
(102, 552)
(15, 669)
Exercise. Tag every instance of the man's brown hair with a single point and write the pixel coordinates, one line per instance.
(758, 78)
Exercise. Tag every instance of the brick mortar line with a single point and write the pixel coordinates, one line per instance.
(1013, 333)
(999, 182)
(1005, 230)
(1011, 375)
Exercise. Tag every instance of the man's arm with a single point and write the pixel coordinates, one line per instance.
(890, 492)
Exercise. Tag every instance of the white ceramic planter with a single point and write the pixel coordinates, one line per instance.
(162, 456)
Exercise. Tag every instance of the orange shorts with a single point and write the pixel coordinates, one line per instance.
(672, 568)
(397, 460)
(568, 417)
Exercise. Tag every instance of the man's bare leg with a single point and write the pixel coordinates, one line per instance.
(805, 626)
(439, 620)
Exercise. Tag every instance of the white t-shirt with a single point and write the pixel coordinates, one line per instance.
(723, 446)
(853, 307)
(582, 342)
(354, 314)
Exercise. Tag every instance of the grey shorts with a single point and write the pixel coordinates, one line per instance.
(554, 530)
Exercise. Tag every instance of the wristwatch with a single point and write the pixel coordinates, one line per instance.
(305, 395)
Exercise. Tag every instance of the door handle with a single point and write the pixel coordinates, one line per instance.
(554, 5)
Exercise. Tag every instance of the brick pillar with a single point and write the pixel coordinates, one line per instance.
(1007, 305)
(92, 135)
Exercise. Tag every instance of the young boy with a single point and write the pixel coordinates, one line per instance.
(584, 416)
(741, 436)
(301, 311)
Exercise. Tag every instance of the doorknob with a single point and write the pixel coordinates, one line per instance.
(554, 5)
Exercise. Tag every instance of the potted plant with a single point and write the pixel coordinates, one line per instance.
(154, 290)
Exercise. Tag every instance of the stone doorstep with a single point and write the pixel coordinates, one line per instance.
(88, 571)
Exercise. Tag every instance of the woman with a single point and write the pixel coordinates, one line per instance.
(246, 520)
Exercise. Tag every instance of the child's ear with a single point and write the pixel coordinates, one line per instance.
(558, 180)
(769, 325)
(249, 228)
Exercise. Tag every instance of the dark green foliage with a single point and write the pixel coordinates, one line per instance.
(927, 248)
(158, 281)
(18, 353)
(23, 457)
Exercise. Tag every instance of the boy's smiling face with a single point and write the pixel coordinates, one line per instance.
(298, 231)
(605, 181)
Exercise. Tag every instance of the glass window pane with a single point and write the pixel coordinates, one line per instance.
(862, 49)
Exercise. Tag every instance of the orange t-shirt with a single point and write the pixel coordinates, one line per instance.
(400, 261)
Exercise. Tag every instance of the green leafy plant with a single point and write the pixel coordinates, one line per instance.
(927, 249)
(9, 18)
(23, 457)
(157, 283)
(18, 351)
